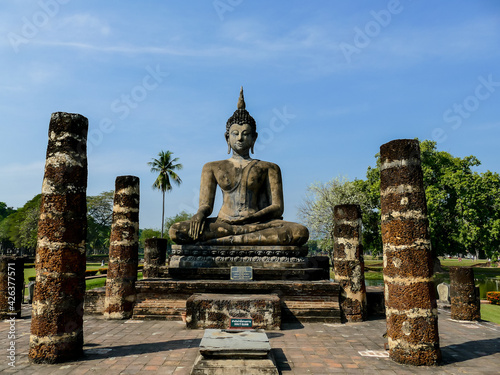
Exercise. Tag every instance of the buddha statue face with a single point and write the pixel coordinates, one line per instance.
(241, 138)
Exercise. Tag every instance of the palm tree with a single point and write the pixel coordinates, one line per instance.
(165, 167)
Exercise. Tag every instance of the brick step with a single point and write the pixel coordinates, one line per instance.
(327, 310)
(177, 316)
(165, 309)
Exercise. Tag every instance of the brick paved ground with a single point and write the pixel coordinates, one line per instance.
(165, 347)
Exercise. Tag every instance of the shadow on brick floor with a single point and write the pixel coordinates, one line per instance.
(470, 350)
(102, 352)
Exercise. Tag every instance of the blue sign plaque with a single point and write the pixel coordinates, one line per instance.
(239, 273)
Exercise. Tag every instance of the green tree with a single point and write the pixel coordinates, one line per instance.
(181, 216)
(147, 233)
(463, 206)
(5, 211)
(478, 209)
(165, 166)
(19, 229)
(99, 217)
(28, 230)
(317, 208)
(151, 233)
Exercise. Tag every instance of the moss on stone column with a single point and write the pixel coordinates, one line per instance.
(57, 317)
(123, 250)
(410, 300)
(348, 261)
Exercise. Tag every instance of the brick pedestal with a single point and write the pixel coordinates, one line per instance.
(411, 309)
(57, 318)
(348, 262)
(123, 250)
(216, 310)
(465, 302)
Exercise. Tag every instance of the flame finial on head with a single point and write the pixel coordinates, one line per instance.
(241, 100)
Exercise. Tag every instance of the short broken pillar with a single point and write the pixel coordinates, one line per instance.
(348, 261)
(11, 286)
(123, 250)
(465, 302)
(57, 317)
(410, 297)
(155, 256)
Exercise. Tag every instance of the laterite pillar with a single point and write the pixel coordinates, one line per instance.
(123, 250)
(348, 261)
(465, 302)
(155, 256)
(57, 318)
(411, 309)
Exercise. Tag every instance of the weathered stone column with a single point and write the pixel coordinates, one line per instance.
(410, 298)
(123, 250)
(57, 318)
(155, 256)
(465, 302)
(11, 286)
(348, 261)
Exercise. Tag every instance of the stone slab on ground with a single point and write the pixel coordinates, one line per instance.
(220, 343)
(263, 366)
(234, 352)
(216, 310)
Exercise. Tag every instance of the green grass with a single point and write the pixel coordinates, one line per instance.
(101, 281)
(95, 283)
(89, 284)
(462, 263)
(371, 275)
(491, 313)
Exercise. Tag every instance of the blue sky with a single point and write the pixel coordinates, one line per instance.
(328, 82)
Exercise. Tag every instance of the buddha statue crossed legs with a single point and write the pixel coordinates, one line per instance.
(252, 206)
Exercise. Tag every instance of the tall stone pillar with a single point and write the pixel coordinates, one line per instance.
(57, 318)
(465, 301)
(155, 256)
(410, 300)
(11, 286)
(348, 261)
(123, 250)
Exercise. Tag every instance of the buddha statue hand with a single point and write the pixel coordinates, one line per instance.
(197, 223)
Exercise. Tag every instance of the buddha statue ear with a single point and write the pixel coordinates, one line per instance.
(226, 135)
(255, 139)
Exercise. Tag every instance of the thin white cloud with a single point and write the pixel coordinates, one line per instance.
(77, 23)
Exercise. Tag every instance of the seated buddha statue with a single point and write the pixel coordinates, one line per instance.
(252, 190)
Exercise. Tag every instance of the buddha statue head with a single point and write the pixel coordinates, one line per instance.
(241, 117)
